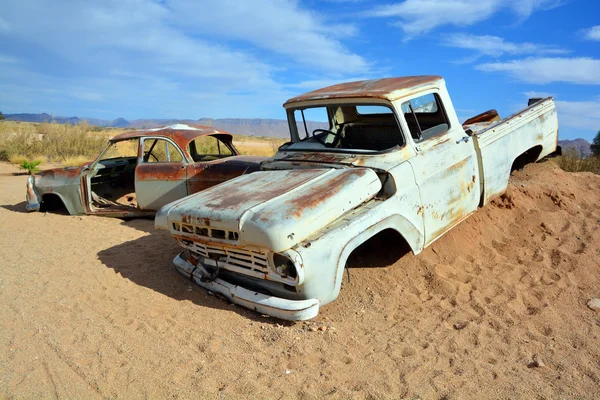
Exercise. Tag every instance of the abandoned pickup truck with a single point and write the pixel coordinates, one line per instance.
(393, 157)
(140, 171)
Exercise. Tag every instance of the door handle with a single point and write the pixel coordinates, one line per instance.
(465, 139)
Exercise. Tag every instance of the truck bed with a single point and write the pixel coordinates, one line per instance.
(531, 133)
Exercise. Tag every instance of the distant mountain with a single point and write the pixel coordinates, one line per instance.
(242, 126)
(43, 117)
(582, 146)
(120, 123)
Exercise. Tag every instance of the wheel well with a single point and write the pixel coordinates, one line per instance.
(381, 250)
(528, 157)
(53, 202)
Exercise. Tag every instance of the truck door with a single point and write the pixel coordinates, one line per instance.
(160, 176)
(445, 166)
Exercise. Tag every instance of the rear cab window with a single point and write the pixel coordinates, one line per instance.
(425, 117)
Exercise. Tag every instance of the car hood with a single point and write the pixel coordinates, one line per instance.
(271, 210)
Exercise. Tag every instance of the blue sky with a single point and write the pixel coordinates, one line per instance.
(243, 59)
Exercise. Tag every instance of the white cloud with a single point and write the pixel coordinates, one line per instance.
(579, 114)
(421, 16)
(83, 94)
(592, 33)
(537, 95)
(314, 84)
(136, 35)
(282, 27)
(495, 46)
(173, 58)
(9, 60)
(4, 26)
(539, 70)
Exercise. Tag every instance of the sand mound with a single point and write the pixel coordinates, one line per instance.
(92, 307)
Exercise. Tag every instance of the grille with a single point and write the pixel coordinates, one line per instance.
(247, 262)
(206, 231)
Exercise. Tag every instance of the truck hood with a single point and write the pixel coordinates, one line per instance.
(271, 210)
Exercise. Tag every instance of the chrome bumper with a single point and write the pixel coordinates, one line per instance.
(291, 310)
(33, 200)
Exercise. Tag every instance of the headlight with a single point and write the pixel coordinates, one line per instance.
(284, 266)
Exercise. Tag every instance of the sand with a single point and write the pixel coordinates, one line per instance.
(92, 307)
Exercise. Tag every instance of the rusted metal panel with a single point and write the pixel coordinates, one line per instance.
(386, 88)
(488, 116)
(201, 176)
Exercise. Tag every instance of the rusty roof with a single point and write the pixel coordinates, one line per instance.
(385, 88)
(182, 134)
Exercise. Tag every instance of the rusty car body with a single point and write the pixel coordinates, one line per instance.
(394, 159)
(140, 171)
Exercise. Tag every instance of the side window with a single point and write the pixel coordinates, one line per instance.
(425, 117)
(208, 148)
(161, 151)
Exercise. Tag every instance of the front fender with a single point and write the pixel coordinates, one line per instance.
(67, 190)
(325, 258)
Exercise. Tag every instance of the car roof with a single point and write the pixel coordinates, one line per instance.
(182, 134)
(385, 88)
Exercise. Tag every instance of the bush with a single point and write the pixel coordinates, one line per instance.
(30, 166)
(572, 161)
(595, 146)
(52, 141)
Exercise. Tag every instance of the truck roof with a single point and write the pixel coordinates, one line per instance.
(385, 88)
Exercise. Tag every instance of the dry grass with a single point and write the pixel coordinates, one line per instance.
(52, 142)
(573, 161)
(74, 145)
(258, 147)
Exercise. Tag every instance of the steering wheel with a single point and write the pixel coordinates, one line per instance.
(318, 139)
(147, 156)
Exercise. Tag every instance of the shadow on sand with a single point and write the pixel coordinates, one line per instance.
(148, 262)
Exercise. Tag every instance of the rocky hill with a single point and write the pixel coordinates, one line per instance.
(582, 146)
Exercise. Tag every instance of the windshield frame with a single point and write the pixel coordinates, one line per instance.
(297, 136)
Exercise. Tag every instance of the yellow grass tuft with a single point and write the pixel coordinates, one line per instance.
(257, 146)
(573, 161)
(52, 141)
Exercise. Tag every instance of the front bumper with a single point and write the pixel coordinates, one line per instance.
(291, 310)
(32, 197)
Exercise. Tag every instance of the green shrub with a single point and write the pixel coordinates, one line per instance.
(30, 166)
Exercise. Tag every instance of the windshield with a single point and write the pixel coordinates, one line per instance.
(344, 128)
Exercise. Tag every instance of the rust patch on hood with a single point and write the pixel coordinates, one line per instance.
(319, 193)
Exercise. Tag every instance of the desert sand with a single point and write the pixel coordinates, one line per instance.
(92, 307)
